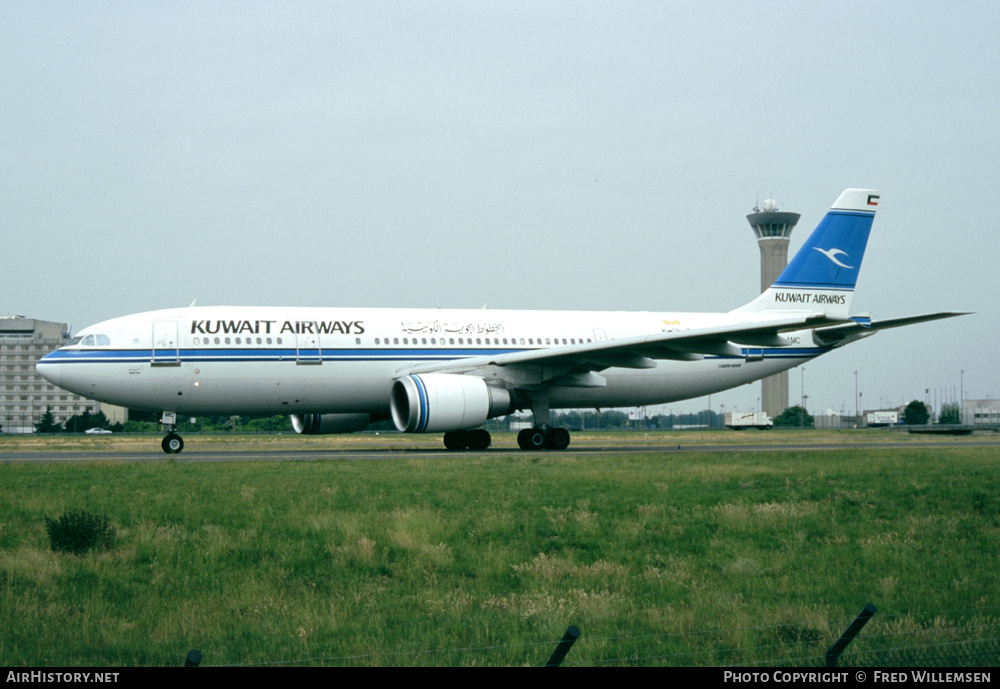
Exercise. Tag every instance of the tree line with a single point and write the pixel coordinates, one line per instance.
(915, 413)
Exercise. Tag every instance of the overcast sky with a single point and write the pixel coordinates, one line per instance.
(565, 155)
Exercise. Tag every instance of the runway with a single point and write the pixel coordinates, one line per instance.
(373, 448)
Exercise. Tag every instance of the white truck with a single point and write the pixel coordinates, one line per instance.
(750, 419)
(875, 419)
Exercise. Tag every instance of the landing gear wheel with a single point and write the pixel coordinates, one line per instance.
(172, 444)
(531, 439)
(456, 440)
(557, 439)
(478, 439)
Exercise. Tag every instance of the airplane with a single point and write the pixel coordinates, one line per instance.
(338, 370)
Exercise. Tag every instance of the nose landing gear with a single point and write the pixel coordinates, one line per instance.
(173, 443)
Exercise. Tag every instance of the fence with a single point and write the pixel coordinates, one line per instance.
(944, 638)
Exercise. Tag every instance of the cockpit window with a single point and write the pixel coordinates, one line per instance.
(91, 341)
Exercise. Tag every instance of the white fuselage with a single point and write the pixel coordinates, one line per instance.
(275, 360)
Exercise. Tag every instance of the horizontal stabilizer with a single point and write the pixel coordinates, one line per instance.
(841, 334)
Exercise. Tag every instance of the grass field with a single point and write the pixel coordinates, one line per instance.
(694, 558)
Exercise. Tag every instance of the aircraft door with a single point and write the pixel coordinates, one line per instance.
(166, 351)
(307, 349)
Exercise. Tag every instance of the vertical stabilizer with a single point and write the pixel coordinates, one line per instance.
(822, 275)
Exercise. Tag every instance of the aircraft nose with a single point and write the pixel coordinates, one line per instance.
(49, 370)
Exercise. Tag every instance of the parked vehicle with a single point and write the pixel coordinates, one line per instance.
(753, 419)
(875, 419)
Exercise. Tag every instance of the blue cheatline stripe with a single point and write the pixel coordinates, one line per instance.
(423, 404)
(777, 353)
(200, 356)
(230, 355)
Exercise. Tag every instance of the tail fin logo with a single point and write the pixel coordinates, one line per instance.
(832, 255)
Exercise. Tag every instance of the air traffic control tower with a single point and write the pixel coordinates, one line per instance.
(774, 230)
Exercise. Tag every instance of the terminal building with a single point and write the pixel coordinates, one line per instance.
(24, 395)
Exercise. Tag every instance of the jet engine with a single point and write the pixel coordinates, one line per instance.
(325, 424)
(446, 402)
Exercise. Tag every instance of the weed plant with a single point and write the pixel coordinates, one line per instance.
(79, 531)
(486, 559)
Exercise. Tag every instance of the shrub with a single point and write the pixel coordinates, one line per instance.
(79, 531)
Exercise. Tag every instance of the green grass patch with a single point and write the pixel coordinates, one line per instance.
(487, 559)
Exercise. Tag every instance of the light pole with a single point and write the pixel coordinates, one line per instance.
(856, 412)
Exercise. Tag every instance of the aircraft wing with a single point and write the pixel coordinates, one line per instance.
(643, 350)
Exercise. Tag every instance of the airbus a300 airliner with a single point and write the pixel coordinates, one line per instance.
(337, 370)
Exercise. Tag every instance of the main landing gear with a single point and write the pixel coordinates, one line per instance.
(546, 438)
(173, 443)
(543, 438)
(477, 439)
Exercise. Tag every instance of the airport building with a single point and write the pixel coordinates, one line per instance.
(981, 413)
(25, 395)
(773, 229)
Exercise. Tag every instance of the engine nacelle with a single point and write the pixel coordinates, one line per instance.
(326, 424)
(446, 402)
